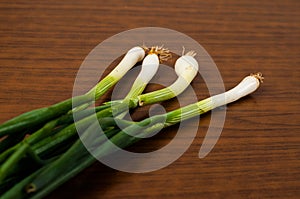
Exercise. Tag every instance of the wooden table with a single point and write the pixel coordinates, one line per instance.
(258, 154)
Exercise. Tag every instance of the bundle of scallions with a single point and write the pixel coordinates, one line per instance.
(41, 149)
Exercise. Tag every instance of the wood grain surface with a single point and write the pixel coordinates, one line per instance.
(43, 43)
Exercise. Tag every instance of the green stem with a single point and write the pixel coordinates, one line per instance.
(27, 121)
(8, 167)
(103, 86)
(18, 190)
(131, 135)
(86, 162)
(11, 140)
(64, 163)
(48, 180)
(42, 115)
(51, 142)
(156, 96)
(137, 89)
(70, 159)
(8, 152)
(187, 112)
(43, 132)
(70, 132)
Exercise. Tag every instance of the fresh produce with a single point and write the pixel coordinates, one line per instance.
(35, 165)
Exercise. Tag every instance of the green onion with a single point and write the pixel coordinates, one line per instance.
(36, 117)
(66, 167)
(45, 140)
(186, 67)
(53, 153)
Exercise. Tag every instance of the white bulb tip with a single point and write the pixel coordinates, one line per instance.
(139, 51)
(187, 67)
(149, 68)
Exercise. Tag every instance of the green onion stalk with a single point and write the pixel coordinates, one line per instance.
(186, 68)
(49, 141)
(31, 119)
(186, 64)
(45, 180)
(40, 142)
(45, 142)
(50, 138)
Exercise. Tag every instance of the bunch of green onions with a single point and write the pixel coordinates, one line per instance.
(33, 166)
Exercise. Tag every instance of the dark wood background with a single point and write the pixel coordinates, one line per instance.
(42, 44)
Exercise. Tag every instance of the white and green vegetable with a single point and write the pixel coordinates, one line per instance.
(53, 153)
(30, 120)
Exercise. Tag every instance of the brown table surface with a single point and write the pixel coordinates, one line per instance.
(43, 44)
